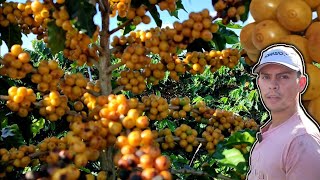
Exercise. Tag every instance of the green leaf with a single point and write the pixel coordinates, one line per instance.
(2, 1)
(174, 13)
(180, 6)
(56, 37)
(252, 95)
(242, 167)
(11, 35)
(223, 100)
(4, 120)
(37, 125)
(197, 99)
(136, 3)
(198, 45)
(172, 126)
(156, 16)
(208, 98)
(12, 136)
(178, 159)
(230, 36)
(232, 157)
(240, 138)
(232, 39)
(128, 29)
(244, 16)
(229, 25)
(219, 42)
(86, 170)
(82, 11)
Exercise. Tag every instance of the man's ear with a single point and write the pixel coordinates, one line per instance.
(303, 83)
(258, 80)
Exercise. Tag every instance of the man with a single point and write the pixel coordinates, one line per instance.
(288, 145)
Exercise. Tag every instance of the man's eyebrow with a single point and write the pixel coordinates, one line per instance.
(286, 72)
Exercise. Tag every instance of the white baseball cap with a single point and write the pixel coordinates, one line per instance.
(284, 54)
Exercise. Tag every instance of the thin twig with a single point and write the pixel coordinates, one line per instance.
(189, 171)
(38, 154)
(195, 153)
(4, 97)
(37, 104)
(93, 61)
(113, 67)
(175, 138)
(115, 49)
(121, 26)
(220, 176)
(90, 75)
(101, 5)
(93, 92)
(117, 89)
(197, 173)
(97, 47)
(174, 107)
(195, 111)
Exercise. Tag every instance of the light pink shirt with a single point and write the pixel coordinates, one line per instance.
(290, 151)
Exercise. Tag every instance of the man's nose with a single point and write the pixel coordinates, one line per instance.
(274, 84)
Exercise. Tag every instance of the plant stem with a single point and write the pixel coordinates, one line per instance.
(113, 67)
(194, 155)
(117, 89)
(190, 171)
(175, 138)
(106, 158)
(121, 26)
(105, 58)
(4, 97)
(198, 173)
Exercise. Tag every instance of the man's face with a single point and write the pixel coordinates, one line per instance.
(279, 87)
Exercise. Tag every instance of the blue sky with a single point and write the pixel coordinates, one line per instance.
(167, 20)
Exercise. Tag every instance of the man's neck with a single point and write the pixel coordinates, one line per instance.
(280, 117)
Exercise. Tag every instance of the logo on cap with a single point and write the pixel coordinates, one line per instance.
(276, 54)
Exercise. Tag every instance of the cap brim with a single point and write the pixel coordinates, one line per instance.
(258, 67)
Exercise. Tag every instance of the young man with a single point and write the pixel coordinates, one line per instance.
(288, 145)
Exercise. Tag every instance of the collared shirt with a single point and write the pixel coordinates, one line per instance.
(290, 151)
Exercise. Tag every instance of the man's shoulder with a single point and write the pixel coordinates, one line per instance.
(305, 127)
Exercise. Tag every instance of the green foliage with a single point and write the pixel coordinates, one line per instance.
(56, 35)
(82, 13)
(230, 36)
(166, 123)
(232, 161)
(179, 7)
(128, 28)
(11, 35)
(199, 45)
(219, 42)
(229, 89)
(11, 136)
(231, 157)
(244, 16)
(224, 36)
(156, 16)
(240, 137)
(40, 51)
(230, 25)
(37, 125)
